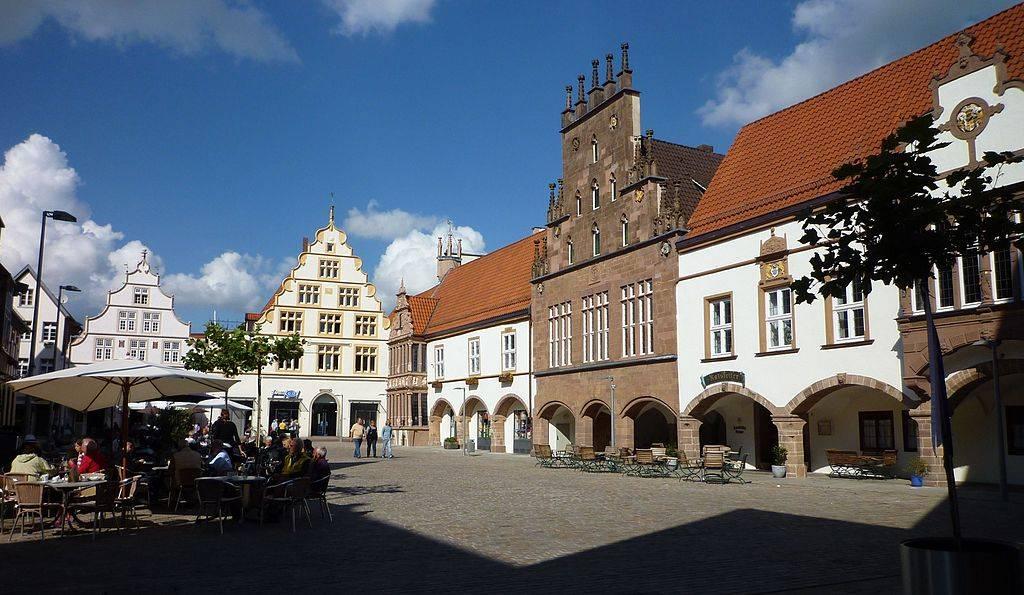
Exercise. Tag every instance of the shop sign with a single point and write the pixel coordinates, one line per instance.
(723, 376)
(286, 394)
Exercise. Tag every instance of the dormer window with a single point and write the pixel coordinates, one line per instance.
(594, 150)
(595, 235)
(330, 247)
(141, 296)
(595, 195)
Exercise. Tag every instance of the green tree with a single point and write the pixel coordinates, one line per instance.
(895, 221)
(241, 351)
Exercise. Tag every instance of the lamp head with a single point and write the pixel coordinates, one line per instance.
(62, 216)
(70, 288)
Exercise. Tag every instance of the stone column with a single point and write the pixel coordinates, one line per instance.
(585, 431)
(688, 431)
(458, 430)
(624, 432)
(435, 430)
(791, 437)
(540, 430)
(497, 433)
(932, 457)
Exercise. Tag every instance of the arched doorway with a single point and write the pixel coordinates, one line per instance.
(654, 422)
(442, 422)
(712, 430)
(478, 423)
(561, 425)
(511, 426)
(744, 421)
(324, 416)
(596, 424)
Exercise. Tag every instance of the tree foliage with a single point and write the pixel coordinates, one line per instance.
(895, 219)
(239, 351)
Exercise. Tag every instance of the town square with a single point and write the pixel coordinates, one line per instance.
(303, 297)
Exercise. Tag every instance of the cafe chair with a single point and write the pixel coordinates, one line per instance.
(298, 492)
(125, 503)
(213, 496)
(102, 505)
(29, 503)
(184, 482)
(318, 493)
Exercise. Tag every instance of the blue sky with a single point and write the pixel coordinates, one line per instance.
(212, 131)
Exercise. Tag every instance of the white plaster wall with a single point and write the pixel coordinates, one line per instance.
(47, 313)
(842, 408)
(738, 411)
(561, 430)
(975, 449)
(778, 378)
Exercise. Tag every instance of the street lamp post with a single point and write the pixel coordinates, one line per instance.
(611, 380)
(993, 344)
(465, 436)
(58, 339)
(56, 216)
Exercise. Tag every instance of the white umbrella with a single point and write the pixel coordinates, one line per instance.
(116, 382)
(218, 403)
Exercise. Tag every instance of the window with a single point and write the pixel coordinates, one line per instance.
(474, 356)
(624, 223)
(104, 349)
(848, 314)
(329, 268)
(330, 246)
(569, 251)
(1015, 429)
(579, 204)
(328, 358)
(909, 431)
(126, 321)
(720, 327)
(172, 352)
(416, 358)
(779, 318)
(366, 360)
(290, 365)
(22, 367)
(508, 350)
(614, 188)
(595, 234)
(26, 336)
(594, 150)
(944, 282)
(876, 431)
(25, 298)
(919, 295)
(970, 270)
(290, 321)
(439, 361)
(1002, 266)
(595, 195)
(414, 402)
(151, 322)
(560, 335)
(595, 327)
(309, 294)
(46, 365)
(637, 319)
(330, 324)
(49, 332)
(141, 296)
(137, 349)
(366, 326)
(348, 297)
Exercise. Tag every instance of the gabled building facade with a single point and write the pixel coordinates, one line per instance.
(461, 364)
(603, 299)
(137, 323)
(756, 369)
(342, 375)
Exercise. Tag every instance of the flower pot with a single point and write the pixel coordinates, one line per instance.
(778, 470)
(917, 481)
(935, 565)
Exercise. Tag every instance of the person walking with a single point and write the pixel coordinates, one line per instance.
(371, 440)
(357, 436)
(385, 436)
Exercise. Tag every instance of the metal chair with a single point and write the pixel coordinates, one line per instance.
(714, 465)
(210, 492)
(318, 492)
(125, 502)
(184, 479)
(298, 492)
(100, 506)
(274, 494)
(29, 503)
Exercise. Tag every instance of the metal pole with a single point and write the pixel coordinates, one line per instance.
(35, 324)
(611, 382)
(1000, 428)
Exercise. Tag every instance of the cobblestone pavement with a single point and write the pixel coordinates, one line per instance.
(433, 520)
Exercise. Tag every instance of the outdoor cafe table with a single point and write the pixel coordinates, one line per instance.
(246, 484)
(66, 488)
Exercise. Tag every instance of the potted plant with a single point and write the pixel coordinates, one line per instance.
(451, 443)
(505, 377)
(473, 381)
(917, 469)
(778, 456)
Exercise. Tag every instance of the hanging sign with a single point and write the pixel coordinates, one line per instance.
(723, 376)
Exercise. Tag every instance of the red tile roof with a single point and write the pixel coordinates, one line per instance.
(787, 158)
(493, 285)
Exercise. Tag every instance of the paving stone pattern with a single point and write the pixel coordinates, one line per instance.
(433, 520)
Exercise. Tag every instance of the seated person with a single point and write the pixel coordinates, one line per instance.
(319, 468)
(29, 461)
(221, 461)
(92, 460)
(296, 463)
(185, 458)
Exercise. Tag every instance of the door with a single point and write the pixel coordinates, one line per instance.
(324, 416)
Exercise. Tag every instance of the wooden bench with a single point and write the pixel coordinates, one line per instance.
(851, 464)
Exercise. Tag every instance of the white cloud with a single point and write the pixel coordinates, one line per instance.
(842, 40)
(413, 257)
(35, 176)
(384, 225)
(187, 26)
(378, 16)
